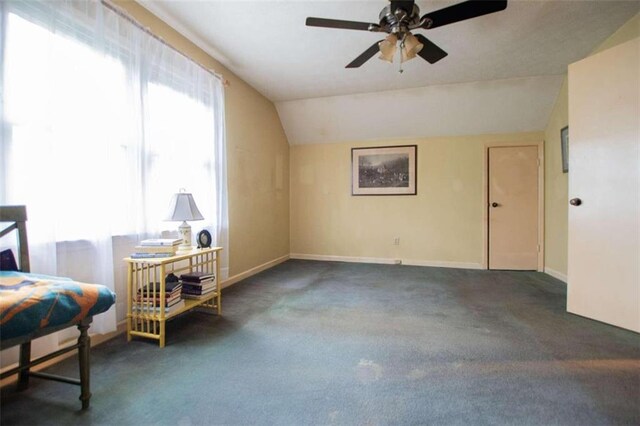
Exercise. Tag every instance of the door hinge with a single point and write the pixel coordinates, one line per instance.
(538, 248)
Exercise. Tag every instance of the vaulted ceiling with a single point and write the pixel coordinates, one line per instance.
(267, 44)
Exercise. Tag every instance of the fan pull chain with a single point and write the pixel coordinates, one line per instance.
(400, 70)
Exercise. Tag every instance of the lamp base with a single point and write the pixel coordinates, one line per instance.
(185, 233)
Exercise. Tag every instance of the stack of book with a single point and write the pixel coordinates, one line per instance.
(148, 298)
(157, 247)
(198, 285)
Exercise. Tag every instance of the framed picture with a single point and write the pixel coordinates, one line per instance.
(564, 144)
(386, 170)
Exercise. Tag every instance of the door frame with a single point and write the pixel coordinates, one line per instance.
(485, 198)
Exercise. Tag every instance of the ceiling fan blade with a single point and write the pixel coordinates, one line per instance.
(462, 11)
(406, 5)
(336, 23)
(430, 52)
(365, 56)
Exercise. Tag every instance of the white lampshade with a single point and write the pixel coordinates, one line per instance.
(388, 48)
(410, 48)
(183, 207)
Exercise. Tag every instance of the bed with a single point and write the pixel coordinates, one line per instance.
(33, 305)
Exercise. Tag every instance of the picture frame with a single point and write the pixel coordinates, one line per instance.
(564, 146)
(384, 170)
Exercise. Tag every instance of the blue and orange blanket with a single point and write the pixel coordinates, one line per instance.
(31, 303)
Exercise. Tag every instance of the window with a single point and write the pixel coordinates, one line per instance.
(181, 132)
(103, 123)
(68, 128)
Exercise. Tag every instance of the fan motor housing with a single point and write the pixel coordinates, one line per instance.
(395, 19)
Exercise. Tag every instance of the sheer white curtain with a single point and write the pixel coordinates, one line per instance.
(101, 124)
(185, 137)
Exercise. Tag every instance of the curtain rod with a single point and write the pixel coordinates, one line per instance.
(124, 14)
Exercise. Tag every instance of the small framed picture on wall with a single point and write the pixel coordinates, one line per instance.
(564, 145)
(385, 170)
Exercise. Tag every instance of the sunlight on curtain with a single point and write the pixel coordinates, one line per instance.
(63, 129)
(101, 124)
(180, 130)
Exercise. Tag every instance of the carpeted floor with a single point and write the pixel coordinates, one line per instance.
(325, 343)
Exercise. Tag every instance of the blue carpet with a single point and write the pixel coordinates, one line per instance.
(326, 343)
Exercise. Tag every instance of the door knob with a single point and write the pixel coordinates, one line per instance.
(575, 201)
(494, 204)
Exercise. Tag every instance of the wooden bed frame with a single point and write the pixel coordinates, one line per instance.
(17, 215)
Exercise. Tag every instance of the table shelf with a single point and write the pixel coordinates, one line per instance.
(147, 318)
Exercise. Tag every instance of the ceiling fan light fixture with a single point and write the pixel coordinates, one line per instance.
(410, 47)
(402, 16)
(388, 48)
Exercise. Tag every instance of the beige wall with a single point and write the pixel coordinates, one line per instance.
(257, 159)
(556, 182)
(442, 225)
(258, 173)
(629, 31)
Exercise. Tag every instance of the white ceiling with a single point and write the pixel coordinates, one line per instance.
(502, 75)
(267, 44)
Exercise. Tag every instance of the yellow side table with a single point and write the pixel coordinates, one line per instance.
(146, 317)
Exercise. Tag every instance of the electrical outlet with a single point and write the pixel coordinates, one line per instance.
(396, 241)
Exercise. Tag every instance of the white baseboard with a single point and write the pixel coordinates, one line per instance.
(555, 274)
(443, 264)
(246, 274)
(224, 274)
(350, 259)
(385, 261)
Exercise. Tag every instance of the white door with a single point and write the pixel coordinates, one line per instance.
(513, 207)
(604, 187)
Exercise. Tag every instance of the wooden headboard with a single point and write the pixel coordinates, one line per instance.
(17, 218)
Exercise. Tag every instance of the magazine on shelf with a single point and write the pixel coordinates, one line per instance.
(198, 287)
(199, 283)
(167, 310)
(157, 249)
(197, 276)
(161, 242)
(150, 255)
(170, 299)
(198, 296)
(197, 291)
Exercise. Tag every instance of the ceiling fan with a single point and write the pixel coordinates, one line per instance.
(399, 18)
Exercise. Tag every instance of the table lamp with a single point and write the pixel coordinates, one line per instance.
(183, 208)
